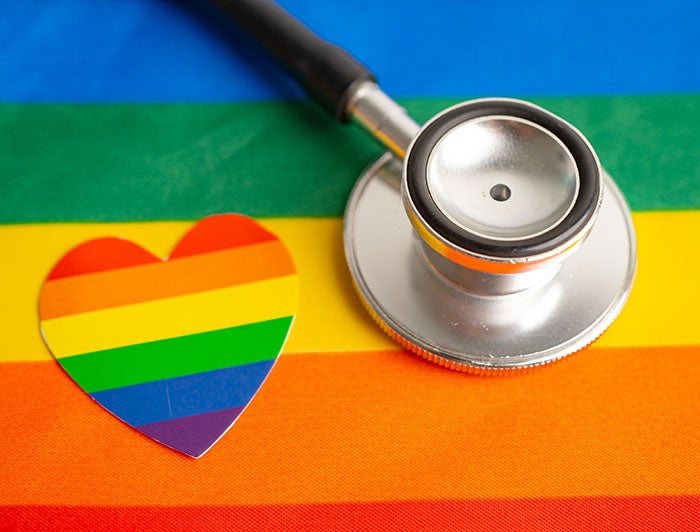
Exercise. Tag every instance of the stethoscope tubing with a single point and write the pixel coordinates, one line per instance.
(328, 73)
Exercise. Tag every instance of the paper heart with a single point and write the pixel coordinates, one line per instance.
(177, 347)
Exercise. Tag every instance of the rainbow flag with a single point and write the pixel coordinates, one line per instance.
(136, 118)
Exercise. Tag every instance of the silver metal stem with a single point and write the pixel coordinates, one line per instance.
(484, 283)
(382, 117)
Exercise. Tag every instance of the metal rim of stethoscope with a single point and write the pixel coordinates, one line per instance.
(562, 315)
(508, 304)
(436, 225)
(500, 244)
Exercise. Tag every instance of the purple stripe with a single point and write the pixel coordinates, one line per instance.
(192, 435)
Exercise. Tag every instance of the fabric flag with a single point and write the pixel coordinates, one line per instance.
(136, 118)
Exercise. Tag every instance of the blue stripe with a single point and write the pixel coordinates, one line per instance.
(185, 396)
(158, 50)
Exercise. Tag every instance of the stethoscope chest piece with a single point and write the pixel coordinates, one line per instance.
(499, 243)
(489, 239)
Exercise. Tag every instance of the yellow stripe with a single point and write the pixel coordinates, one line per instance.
(171, 317)
(330, 317)
(662, 309)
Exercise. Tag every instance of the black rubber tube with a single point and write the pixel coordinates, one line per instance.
(324, 70)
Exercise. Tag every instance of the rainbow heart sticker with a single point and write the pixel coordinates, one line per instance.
(176, 348)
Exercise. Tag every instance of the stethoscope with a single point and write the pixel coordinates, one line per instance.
(488, 239)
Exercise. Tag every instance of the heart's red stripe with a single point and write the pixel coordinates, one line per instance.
(218, 232)
(158, 280)
(653, 513)
(100, 255)
(222, 231)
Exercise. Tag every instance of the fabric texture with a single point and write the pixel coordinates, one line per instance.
(136, 118)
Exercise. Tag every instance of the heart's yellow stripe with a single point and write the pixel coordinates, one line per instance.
(171, 317)
(330, 317)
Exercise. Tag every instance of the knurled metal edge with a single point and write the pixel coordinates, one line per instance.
(461, 367)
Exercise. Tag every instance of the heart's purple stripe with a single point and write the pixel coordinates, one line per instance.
(178, 397)
(193, 435)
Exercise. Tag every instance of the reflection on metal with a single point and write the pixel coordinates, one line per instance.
(484, 322)
(531, 173)
(382, 117)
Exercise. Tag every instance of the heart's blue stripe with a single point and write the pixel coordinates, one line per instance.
(158, 50)
(178, 397)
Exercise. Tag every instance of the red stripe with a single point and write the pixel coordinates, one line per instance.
(658, 513)
(214, 233)
(221, 231)
(99, 255)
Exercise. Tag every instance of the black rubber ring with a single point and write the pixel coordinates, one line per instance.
(583, 209)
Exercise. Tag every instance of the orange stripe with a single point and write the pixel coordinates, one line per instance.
(374, 426)
(158, 280)
(597, 513)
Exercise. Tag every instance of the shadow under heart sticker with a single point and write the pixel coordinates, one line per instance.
(176, 348)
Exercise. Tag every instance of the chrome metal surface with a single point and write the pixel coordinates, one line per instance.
(502, 177)
(435, 317)
(485, 283)
(382, 117)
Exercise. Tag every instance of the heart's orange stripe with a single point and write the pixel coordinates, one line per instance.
(158, 280)
(172, 317)
(384, 424)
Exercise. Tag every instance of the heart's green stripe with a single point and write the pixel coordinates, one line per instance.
(176, 161)
(176, 357)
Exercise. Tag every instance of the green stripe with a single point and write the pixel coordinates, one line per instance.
(163, 161)
(175, 357)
